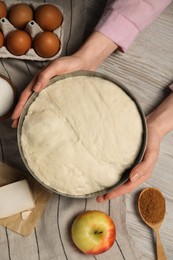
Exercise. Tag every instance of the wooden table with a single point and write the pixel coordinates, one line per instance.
(146, 69)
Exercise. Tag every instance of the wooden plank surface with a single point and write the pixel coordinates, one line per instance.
(146, 69)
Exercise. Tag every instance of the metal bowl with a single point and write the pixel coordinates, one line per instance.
(125, 175)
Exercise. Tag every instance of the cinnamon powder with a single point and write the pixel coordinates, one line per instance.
(152, 206)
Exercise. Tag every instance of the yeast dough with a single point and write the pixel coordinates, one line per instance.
(80, 134)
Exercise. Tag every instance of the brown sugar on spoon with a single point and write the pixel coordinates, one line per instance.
(152, 206)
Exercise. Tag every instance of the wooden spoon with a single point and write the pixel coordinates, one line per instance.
(151, 205)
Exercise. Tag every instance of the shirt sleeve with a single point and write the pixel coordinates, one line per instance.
(122, 20)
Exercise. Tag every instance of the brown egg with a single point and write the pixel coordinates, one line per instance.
(1, 39)
(20, 15)
(18, 42)
(3, 9)
(48, 17)
(46, 44)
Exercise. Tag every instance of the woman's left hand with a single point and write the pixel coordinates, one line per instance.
(143, 170)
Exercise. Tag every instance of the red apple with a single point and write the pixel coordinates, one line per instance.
(93, 232)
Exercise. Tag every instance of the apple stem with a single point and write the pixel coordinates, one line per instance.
(98, 232)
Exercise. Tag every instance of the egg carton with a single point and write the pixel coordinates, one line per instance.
(33, 29)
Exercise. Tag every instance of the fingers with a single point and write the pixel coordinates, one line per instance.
(22, 101)
(45, 75)
(146, 167)
(41, 82)
(56, 67)
(127, 187)
(15, 123)
(138, 175)
(36, 84)
(23, 98)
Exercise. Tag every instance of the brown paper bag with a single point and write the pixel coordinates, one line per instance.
(41, 197)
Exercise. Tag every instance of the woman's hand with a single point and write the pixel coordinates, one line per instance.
(57, 67)
(143, 170)
(159, 122)
(96, 49)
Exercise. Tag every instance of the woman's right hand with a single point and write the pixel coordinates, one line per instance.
(96, 48)
(57, 67)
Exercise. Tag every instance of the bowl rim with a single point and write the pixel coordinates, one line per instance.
(125, 175)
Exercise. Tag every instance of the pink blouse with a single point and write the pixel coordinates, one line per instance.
(122, 20)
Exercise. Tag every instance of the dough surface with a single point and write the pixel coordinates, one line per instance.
(80, 134)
